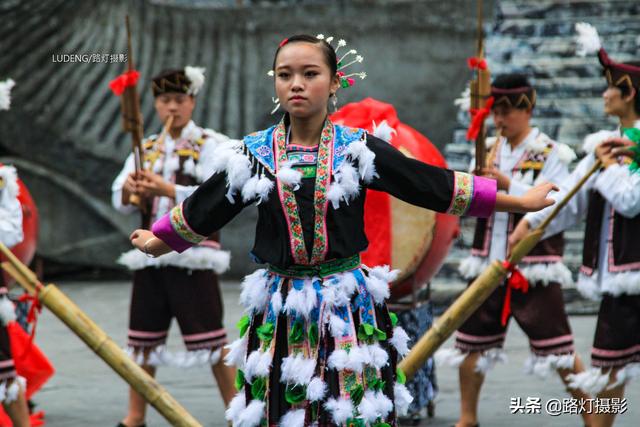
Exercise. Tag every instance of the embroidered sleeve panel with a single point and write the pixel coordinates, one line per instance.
(174, 230)
(472, 195)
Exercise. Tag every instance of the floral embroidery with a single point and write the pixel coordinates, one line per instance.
(264, 151)
(180, 226)
(288, 200)
(462, 193)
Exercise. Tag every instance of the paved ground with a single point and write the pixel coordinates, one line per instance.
(85, 392)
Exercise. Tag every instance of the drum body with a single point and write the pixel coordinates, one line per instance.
(411, 239)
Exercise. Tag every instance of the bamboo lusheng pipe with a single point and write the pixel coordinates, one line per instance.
(134, 199)
(479, 290)
(92, 335)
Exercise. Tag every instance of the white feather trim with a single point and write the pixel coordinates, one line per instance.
(10, 177)
(471, 267)
(221, 154)
(293, 418)
(353, 360)
(626, 374)
(341, 409)
(276, 302)
(402, 398)
(339, 291)
(258, 364)
(624, 283)
(464, 102)
(367, 407)
(378, 357)
(588, 287)
(237, 352)
(189, 167)
(7, 310)
(5, 93)
(238, 173)
(195, 258)
(316, 389)
(255, 292)
(237, 405)
(545, 273)
(335, 194)
(196, 77)
(366, 160)
(263, 188)
(399, 340)
(346, 185)
(378, 282)
(289, 177)
(588, 40)
(337, 326)
(297, 369)
(451, 357)
(565, 153)
(383, 131)
(12, 391)
(542, 366)
(249, 189)
(592, 140)
(195, 358)
(592, 381)
(488, 360)
(302, 301)
(252, 415)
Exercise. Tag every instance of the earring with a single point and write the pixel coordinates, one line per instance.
(276, 101)
(334, 101)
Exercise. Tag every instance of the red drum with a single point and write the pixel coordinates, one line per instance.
(404, 236)
(26, 249)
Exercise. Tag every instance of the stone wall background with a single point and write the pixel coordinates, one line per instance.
(63, 131)
(538, 38)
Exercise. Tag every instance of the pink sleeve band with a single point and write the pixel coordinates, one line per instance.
(164, 231)
(483, 202)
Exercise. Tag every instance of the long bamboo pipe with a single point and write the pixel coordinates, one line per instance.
(479, 291)
(92, 335)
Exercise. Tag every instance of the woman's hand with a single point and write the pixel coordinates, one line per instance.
(533, 200)
(537, 198)
(148, 243)
(150, 184)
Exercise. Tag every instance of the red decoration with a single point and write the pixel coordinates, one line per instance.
(384, 236)
(36, 368)
(477, 63)
(478, 118)
(123, 81)
(283, 42)
(516, 281)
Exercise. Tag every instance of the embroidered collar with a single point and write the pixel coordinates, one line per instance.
(260, 145)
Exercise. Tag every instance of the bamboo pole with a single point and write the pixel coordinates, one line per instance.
(479, 291)
(96, 339)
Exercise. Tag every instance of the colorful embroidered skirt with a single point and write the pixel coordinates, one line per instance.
(318, 347)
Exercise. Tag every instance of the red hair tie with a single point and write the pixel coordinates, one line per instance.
(283, 42)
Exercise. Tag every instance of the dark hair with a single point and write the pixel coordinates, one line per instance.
(327, 50)
(511, 81)
(625, 90)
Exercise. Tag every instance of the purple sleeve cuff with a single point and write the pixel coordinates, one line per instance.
(164, 231)
(483, 202)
